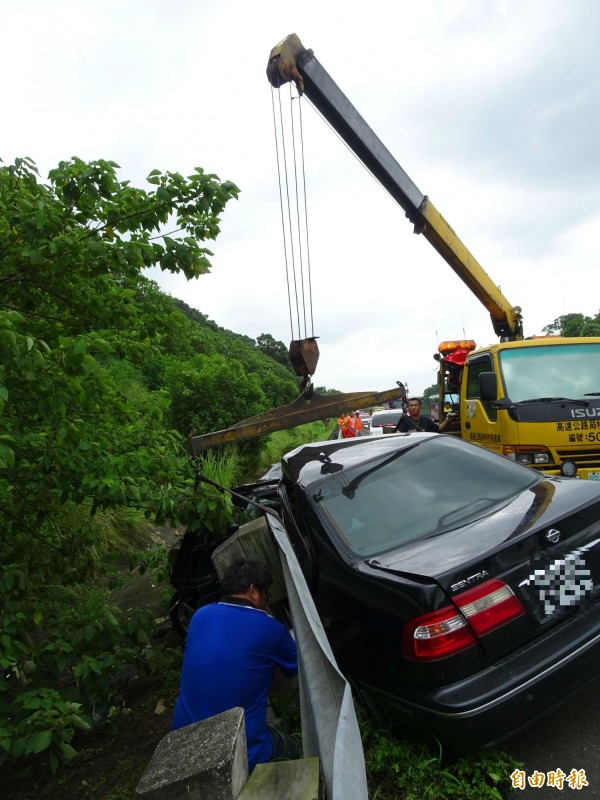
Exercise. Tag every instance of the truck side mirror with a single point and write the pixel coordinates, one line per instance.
(488, 386)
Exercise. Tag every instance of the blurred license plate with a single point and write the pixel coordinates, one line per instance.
(563, 585)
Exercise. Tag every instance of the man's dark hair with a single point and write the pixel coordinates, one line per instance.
(243, 573)
(415, 400)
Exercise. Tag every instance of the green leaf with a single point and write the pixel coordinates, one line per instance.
(111, 618)
(39, 741)
(80, 723)
(102, 345)
(67, 752)
(89, 632)
(8, 338)
(142, 636)
(7, 456)
(17, 747)
(38, 358)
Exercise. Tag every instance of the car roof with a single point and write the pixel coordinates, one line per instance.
(312, 462)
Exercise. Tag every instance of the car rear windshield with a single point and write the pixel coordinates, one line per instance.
(435, 486)
(386, 417)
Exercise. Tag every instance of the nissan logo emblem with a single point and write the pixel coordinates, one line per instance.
(552, 535)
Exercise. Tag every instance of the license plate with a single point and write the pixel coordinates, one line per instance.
(593, 476)
(563, 585)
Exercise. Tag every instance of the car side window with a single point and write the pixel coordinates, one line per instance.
(475, 368)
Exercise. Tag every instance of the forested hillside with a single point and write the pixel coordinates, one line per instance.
(102, 378)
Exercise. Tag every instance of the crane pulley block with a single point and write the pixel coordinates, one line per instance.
(283, 63)
(304, 355)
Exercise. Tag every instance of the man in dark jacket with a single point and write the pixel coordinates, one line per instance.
(232, 649)
(413, 421)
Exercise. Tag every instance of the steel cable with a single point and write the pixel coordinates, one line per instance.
(293, 236)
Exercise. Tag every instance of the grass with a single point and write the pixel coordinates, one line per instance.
(222, 466)
(282, 442)
(410, 768)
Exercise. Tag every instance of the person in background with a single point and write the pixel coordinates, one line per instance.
(231, 652)
(358, 426)
(414, 421)
(347, 426)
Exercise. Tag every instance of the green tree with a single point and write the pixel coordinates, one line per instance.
(574, 325)
(431, 394)
(72, 295)
(80, 435)
(212, 393)
(275, 350)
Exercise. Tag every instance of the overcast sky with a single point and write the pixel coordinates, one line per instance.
(492, 107)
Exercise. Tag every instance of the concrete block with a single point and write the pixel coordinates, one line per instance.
(284, 780)
(204, 761)
(252, 540)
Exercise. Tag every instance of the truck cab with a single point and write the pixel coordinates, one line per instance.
(535, 401)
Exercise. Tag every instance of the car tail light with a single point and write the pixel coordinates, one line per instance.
(453, 628)
(437, 635)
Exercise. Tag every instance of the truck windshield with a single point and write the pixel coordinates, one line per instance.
(563, 371)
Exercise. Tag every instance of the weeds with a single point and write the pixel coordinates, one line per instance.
(282, 442)
(222, 466)
(63, 647)
(413, 769)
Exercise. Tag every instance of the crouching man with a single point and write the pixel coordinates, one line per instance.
(231, 652)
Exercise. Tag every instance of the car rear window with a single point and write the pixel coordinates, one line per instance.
(435, 486)
(386, 417)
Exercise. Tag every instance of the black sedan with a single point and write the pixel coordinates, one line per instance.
(459, 589)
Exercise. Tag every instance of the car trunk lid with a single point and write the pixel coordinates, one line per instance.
(544, 547)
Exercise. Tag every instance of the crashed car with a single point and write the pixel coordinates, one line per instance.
(459, 590)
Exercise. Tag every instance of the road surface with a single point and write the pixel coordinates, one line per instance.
(568, 742)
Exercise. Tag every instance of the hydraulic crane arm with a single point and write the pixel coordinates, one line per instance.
(309, 407)
(291, 61)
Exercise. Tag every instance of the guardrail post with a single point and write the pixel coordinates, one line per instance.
(207, 760)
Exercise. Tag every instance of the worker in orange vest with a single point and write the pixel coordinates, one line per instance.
(358, 426)
(347, 426)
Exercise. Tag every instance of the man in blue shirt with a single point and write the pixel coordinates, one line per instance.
(231, 652)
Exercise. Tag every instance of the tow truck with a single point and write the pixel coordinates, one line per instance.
(534, 400)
